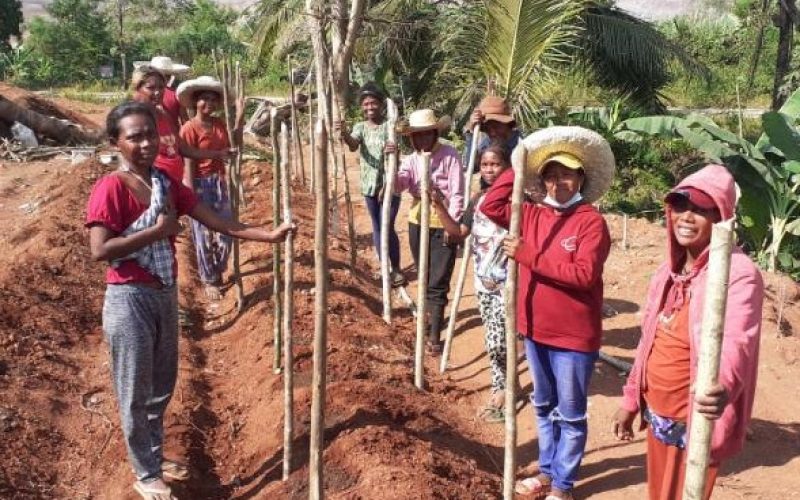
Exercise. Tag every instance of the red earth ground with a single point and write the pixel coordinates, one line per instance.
(59, 433)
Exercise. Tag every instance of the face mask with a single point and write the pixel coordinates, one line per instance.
(553, 203)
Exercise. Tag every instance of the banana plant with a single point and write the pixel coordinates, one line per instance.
(767, 172)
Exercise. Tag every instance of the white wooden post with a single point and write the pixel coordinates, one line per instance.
(422, 271)
(386, 211)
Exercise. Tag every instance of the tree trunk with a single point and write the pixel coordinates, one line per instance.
(784, 59)
(288, 309)
(713, 326)
(315, 482)
(63, 133)
(300, 167)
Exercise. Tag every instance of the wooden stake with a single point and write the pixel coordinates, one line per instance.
(276, 247)
(300, 167)
(422, 271)
(288, 309)
(465, 254)
(624, 231)
(386, 211)
(348, 203)
(315, 482)
(713, 327)
(510, 460)
(311, 139)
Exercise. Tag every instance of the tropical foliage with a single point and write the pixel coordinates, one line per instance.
(10, 22)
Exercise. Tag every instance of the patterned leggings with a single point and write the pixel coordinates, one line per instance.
(493, 316)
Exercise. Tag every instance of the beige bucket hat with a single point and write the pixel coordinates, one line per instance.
(186, 90)
(422, 120)
(573, 147)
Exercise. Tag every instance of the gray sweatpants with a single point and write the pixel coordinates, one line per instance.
(141, 327)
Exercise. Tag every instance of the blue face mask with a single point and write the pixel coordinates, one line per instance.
(553, 203)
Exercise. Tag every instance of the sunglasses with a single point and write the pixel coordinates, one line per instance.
(682, 204)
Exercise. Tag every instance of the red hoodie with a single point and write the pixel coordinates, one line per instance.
(562, 253)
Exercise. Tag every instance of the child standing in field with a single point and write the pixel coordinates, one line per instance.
(132, 216)
(207, 177)
(660, 385)
(490, 270)
(447, 177)
(370, 138)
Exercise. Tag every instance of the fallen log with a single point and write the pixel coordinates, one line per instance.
(61, 131)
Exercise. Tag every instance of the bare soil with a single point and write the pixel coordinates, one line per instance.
(59, 432)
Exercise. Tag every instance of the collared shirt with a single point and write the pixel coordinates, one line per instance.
(446, 175)
(372, 139)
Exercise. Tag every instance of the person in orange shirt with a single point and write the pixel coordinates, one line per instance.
(206, 177)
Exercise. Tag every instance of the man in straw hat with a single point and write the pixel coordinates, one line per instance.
(447, 181)
(171, 71)
(562, 249)
(493, 114)
(206, 177)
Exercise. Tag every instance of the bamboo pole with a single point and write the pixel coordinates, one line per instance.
(624, 231)
(320, 313)
(276, 247)
(311, 139)
(348, 203)
(510, 459)
(299, 163)
(713, 326)
(288, 308)
(466, 253)
(386, 211)
(422, 271)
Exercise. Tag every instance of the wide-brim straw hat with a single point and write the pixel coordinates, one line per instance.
(187, 90)
(423, 120)
(163, 64)
(496, 109)
(578, 146)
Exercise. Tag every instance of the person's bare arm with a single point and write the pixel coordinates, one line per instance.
(188, 173)
(238, 229)
(456, 231)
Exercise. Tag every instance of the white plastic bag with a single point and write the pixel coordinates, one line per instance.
(24, 135)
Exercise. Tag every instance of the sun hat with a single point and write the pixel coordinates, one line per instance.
(695, 196)
(141, 73)
(423, 120)
(163, 64)
(496, 109)
(573, 147)
(187, 90)
(371, 89)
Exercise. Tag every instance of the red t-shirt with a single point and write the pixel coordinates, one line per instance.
(169, 101)
(668, 367)
(169, 157)
(561, 257)
(114, 206)
(215, 139)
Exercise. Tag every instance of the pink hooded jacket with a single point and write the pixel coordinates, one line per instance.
(739, 360)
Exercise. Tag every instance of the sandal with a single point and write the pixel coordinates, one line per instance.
(153, 490)
(538, 485)
(492, 414)
(174, 470)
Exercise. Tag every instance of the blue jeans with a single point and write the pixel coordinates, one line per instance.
(374, 207)
(560, 391)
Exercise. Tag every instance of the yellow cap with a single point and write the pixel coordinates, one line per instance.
(568, 160)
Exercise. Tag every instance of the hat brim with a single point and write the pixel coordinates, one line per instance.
(589, 147)
(187, 90)
(174, 69)
(498, 118)
(441, 125)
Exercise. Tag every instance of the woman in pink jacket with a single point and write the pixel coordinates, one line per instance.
(660, 384)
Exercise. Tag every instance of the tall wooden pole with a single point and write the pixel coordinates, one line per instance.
(299, 161)
(311, 139)
(386, 211)
(320, 313)
(713, 327)
(466, 253)
(348, 203)
(276, 247)
(422, 271)
(288, 308)
(510, 459)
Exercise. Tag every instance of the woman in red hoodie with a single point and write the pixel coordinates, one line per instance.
(563, 246)
(660, 384)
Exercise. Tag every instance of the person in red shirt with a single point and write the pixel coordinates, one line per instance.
(148, 87)
(207, 177)
(132, 216)
(172, 71)
(561, 252)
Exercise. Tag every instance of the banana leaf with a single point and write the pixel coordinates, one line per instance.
(780, 131)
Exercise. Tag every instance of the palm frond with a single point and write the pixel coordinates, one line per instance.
(271, 18)
(526, 42)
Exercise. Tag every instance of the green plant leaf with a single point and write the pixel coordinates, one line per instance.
(781, 133)
(663, 125)
(792, 166)
(793, 227)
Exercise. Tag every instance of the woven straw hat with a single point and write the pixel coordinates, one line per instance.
(574, 147)
(189, 88)
(163, 64)
(422, 120)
